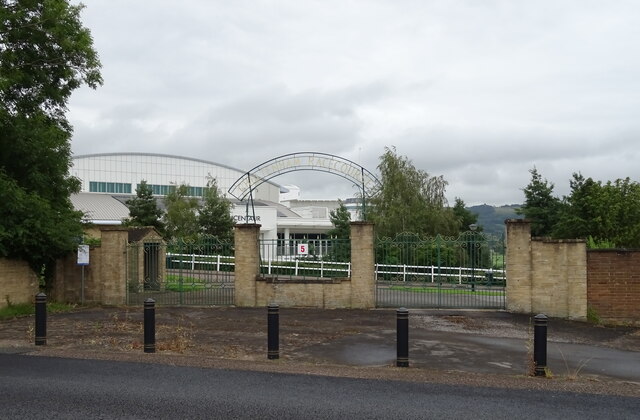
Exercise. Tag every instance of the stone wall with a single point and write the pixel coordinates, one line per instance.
(363, 277)
(247, 264)
(322, 293)
(545, 276)
(252, 289)
(613, 278)
(18, 283)
(104, 277)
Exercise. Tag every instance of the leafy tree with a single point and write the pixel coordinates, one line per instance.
(409, 200)
(540, 206)
(143, 209)
(45, 54)
(215, 215)
(605, 213)
(341, 221)
(181, 218)
(464, 217)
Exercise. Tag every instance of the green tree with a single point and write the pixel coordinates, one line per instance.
(540, 206)
(143, 209)
(464, 217)
(181, 216)
(606, 213)
(409, 200)
(45, 54)
(215, 215)
(341, 221)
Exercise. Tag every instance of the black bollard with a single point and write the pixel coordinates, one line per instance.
(149, 326)
(402, 337)
(540, 344)
(41, 319)
(273, 331)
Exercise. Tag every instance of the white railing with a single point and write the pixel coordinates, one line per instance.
(431, 272)
(309, 266)
(193, 259)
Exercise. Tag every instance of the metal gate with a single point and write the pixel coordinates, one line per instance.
(440, 272)
(181, 272)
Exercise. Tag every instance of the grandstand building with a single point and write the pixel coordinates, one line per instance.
(110, 179)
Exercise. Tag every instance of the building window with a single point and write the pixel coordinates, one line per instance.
(110, 187)
(166, 189)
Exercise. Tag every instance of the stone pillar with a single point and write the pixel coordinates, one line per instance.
(113, 265)
(576, 278)
(519, 269)
(247, 258)
(363, 280)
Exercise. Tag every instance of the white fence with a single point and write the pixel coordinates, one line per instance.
(302, 267)
(434, 274)
(201, 260)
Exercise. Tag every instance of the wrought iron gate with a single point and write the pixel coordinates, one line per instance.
(440, 272)
(181, 272)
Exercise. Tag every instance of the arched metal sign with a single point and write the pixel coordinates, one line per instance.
(303, 161)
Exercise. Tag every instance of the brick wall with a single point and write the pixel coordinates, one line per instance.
(18, 283)
(613, 278)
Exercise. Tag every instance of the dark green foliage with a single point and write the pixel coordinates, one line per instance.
(181, 218)
(465, 217)
(605, 212)
(45, 54)
(409, 200)
(143, 209)
(341, 232)
(215, 215)
(341, 220)
(540, 206)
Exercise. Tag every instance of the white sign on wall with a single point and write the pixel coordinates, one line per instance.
(303, 249)
(83, 254)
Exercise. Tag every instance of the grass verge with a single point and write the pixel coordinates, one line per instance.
(446, 291)
(24, 309)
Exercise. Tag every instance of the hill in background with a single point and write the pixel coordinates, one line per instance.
(492, 218)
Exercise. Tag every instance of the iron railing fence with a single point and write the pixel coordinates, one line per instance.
(181, 273)
(467, 271)
(303, 260)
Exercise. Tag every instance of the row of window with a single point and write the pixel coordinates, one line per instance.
(166, 189)
(110, 187)
(122, 188)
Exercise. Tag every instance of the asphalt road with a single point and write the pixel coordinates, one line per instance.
(42, 387)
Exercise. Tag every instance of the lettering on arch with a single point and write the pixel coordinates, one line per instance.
(303, 161)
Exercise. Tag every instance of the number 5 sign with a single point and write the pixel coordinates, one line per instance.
(303, 249)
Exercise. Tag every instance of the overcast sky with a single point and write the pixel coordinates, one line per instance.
(478, 91)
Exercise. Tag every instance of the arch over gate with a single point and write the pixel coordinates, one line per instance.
(303, 161)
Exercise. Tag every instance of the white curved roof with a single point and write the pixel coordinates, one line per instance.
(122, 172)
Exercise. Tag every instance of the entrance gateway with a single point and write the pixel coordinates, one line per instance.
(463, 272)
(243, 188)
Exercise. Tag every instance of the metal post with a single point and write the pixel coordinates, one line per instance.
(540, 344)
(41, 319)
(149, 326)
(402, 315)
(273, 331)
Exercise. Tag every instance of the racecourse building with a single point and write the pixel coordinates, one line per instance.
(110, 179)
